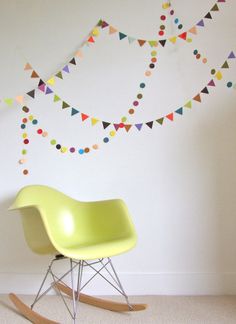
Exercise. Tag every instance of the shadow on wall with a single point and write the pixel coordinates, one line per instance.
(218, 148)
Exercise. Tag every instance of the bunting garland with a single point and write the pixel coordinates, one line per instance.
(95, 32)
(138, 126)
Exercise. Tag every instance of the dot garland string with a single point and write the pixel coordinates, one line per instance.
(81, 151)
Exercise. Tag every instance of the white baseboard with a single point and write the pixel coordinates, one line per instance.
(136, 284)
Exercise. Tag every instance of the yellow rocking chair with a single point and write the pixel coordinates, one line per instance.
(87, 233)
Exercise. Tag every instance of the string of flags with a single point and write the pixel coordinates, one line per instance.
(217, 74)
(91, 39)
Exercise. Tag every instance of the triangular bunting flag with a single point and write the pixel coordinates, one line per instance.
(221, 1)
(56, 98)
(59, 75)
(9, 101)
(193, 30)
(208, 16)
(122, 36)
(84, 117)
(150, 124)
(215, 8)
(131, 39)
(188, 104)
(64, 105)
(31, 93)
(127, 127)
(79, 54)
(100, 22)
(218, 75)
(211, 83)
(48, 91)
(201, 23)
(141, 42)
(225, 65)
(105, 124)
(179, 111)
(183, 35)
(112, 30)
(205, 90)
(104, 24)
(51, 81)
(94, 121)
(27, 67)
(74, 111)
(20, 99)
(73, 61)
(231, 55)
(170, 116)
(42, 87)
(173, 39)
(34, 75)
(139, 126)
(153, 43)
(41, 82)
(162, 42)
(66, 69)
(91, 40)
(160, 120)
(197, 98)
(117, 126)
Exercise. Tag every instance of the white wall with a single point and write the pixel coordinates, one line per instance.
(178, 180)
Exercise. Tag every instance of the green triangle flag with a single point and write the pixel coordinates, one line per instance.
(59, 75)
(188, 104)
(65, 105)
(152, 43)
(9, 101)
(225, 65)
(215, 8)
(56, 98)
(121, 35)
(160, 120)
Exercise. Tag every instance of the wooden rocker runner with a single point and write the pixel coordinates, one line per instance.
(85, 233)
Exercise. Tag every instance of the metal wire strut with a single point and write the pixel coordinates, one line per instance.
(76, 285)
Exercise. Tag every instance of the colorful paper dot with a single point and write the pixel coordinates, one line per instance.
(95, 32)
(229, 84)
(31, 117)
(25, 109)
(24, 120)
(86, 150)
(195, 52)
(176, 20)
(142, 85)
(153, 53)
(34, 122)
(25, 172)
(24, 135)
(44, 134)
(39, 131)
(106, 140)
(95, 146)
(22, 161)
(53, 141)
(123, 119)
(161, 33)
(204, 60)
(162, 27)
(22, 126)
(24, 152)
(58, 146)
(81, 151)
(135, 103)
(131, 111)
(172, 12)
(26, 141)
(163, 17)
(151, 66)
(154, 60)
(139, 96)
(180, 26)
(112, 133)
(72, 150)
(198, 56)
(63, 149)
(148, 73)
(189, 40)
(213, 71)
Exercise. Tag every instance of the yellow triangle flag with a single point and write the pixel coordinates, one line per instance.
(95, 32)
(173, 39)
(51, 81)
(20, 99)
(219, 75)
(112, 30)
(94, 121)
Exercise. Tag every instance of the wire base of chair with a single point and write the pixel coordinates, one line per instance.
(75, 290)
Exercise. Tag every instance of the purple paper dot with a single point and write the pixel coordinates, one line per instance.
(72, 149)
(135, 103)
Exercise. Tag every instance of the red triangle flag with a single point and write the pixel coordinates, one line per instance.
(183, 35)
(84, 117)
(91, 40)
(170, 116)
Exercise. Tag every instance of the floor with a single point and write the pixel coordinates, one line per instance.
(161, 310)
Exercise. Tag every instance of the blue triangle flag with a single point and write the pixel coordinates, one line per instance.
(179, 111)
(74, 111)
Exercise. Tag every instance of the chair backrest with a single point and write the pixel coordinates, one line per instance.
(65, 222)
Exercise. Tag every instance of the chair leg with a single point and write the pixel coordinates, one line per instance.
(120, 285)
(76, 293)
